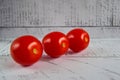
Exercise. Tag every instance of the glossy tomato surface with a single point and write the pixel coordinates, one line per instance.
(55, 44)
(78, 39)
(26, 50)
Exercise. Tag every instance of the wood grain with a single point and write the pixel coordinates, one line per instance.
(99, 61)
(100, 18)
(94, 32)
(17, 13)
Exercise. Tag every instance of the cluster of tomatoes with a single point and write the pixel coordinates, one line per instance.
(27, 49)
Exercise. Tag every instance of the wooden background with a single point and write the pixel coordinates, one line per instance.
(18, 17)
(101, 18)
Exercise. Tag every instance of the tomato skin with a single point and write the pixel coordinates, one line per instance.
(55, 44)
(26, 50)
(78, 39)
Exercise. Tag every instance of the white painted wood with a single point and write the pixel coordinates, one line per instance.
(99, 61)
(17, 13)
(38, 17)
(94, 32)
(116, 11)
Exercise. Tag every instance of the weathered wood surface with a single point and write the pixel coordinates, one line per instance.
(94, 32)
(100, 61)
(37, 13)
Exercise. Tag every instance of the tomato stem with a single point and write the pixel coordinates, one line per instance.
(35, 51)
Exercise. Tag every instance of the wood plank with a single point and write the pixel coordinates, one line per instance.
(94, 32)
(99, 61)
(14, 13)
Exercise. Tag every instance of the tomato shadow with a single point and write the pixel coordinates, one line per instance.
(46, 58)
(70, 52)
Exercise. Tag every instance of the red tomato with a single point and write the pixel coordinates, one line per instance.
(26, 50)
(55, 44)
(78, 39)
